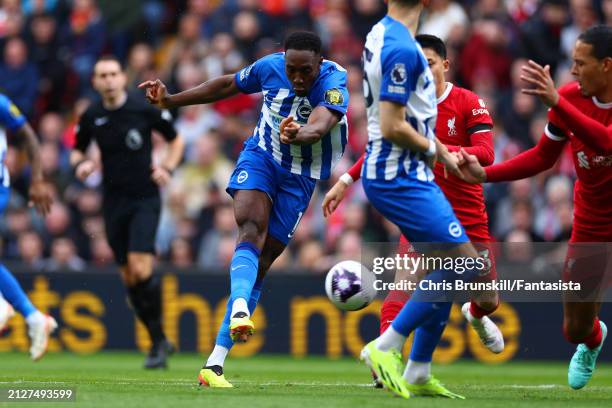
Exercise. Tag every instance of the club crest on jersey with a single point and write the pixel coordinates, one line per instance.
(242, 176)
(398, 74)
(451, 126)
(303, 112)
(454, 229)
(14, 110)
(334, 97)
(133, 139)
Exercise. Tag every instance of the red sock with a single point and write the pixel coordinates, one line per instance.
(594, 339)
(478, 312)
(392, 305)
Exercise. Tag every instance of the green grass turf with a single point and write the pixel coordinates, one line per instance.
(116, 380)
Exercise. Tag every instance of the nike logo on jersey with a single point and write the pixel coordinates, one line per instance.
(237, 267)
(101, 121)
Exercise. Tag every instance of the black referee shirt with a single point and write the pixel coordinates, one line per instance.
(124, 138)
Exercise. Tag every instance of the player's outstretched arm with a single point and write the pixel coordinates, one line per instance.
(210, 91)
(527, 164)
(320, 122)
(591, 132)
(40, 195)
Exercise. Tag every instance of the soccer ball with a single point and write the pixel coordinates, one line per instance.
(350, 285)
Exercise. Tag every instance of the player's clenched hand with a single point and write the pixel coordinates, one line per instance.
(450, 161)
(84, 169)
(333, 198)
(473, 172)
(541, 80)
(288, 130)
(156, 93)
(160, 175)
(40, 197)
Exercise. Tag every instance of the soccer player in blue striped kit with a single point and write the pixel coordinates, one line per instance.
(397, 179)
(12, 295)
(301, 134)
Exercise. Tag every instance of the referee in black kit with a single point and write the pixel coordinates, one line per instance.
(121, 125)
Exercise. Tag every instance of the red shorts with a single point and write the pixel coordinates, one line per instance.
(480, 238)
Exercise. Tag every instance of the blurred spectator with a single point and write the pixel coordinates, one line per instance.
(101, 252)
(85, 37)
(18, 76)
(445, 19)
(31, 250)
(63, 257)
(542, 33)
(212, 253)
(140, 65)
(583, 16)
(49, 58)
(186, 46)
(181, 255)
(485, 60)
(195, 178)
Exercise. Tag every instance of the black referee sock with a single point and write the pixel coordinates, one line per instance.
(151, 296)
(145, 297)
(136, 302)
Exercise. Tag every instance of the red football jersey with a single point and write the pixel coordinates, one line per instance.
(593, 188)
(464, 121)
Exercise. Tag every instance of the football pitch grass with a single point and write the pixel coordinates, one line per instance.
(116, 380)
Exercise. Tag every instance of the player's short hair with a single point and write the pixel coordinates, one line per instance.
(433, 43)
(109, 57)
(600, 37)
(303, 41)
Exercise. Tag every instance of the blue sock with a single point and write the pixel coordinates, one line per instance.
(255, 294)
(424, 304)
(14, 294)
(427, 335)
(223, 337)
(243, 271)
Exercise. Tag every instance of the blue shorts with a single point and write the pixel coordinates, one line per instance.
(290, 193)
(5, 195)
(418, 208)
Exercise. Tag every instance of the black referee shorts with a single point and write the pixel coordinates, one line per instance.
(131, 224)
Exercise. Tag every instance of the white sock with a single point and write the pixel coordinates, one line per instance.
(390, 339)
(240, 305)
(217, 357)
(417, 373)
(35, 318)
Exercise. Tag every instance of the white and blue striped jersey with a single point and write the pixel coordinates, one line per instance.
(11, 119)
(396, 70)
(267, 75)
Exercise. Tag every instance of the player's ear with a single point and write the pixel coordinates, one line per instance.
(446, 65)
(607, 64)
